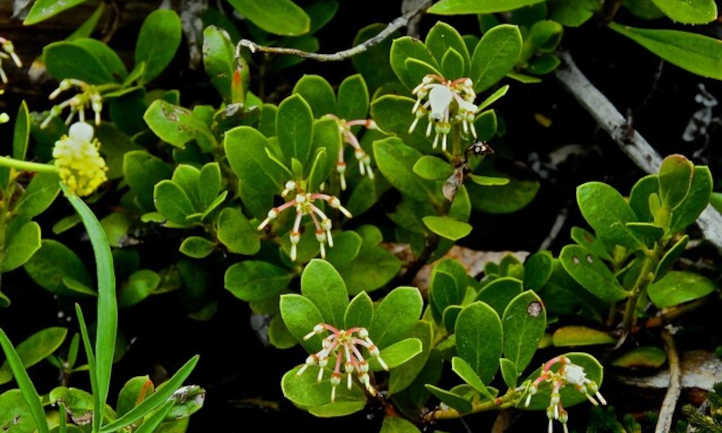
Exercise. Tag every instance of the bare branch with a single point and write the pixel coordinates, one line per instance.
(628, 139)
(394, 25)
(664, 422)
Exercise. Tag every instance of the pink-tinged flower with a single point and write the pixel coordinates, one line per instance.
(8, 52)
(364, 160)
(345, 347)
(567, 374)
(303, 203)
(442, 102)
(89, 96)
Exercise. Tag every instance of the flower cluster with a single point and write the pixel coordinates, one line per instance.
(443, 102)
(89, 96)
(364, 160)
(80, 166)
(303, 202)
(343, 345)
(8, 52)
(567, 374)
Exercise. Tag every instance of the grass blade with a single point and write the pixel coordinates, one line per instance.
(30, 394)
(154, 421)
(98, 406)
(107, 304)
(154, 400)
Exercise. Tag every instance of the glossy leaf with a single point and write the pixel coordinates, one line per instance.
(479, 339)
(495, 55)
(580, 336)
(589, 271)
(455, 7)
(397, 354)
(34, 349)
(524, 322)
(323, 285)
(689, 12)
(253, 280)
(395, 315)
(281, 17)
(677, 287)
(604, 208)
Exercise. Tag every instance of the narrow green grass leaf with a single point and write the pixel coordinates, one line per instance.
(154, 400)
(30, 394)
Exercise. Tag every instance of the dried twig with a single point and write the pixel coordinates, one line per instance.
(628, 139)
(554, 231)
(341, 55)
(664, 422)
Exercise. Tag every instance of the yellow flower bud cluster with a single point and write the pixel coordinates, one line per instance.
(80, 166)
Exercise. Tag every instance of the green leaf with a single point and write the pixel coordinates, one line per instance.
(44, 9)
(509, 372)
(196, 247)
(294, 128)
(648, 233)
(105, 55)
(151, 423)
(644, 357)
(260, 177)
(321, 13)
(644, 9)
(639, 196)
(569, 395)
(524, 322)
(498, 293)
(397, 354)
(176, 125)
(537, 270)
(697, 199)
(460, 403)
(404, 49)
(140, 285)
(699, 54)
(107, 325)
(675, 178)
(457, 7)
(21, 132)
(515, 195)
(468, 375)
(158, 40)
(34, 349)
(395, 161)
(479, 339)
(21, 245)
(440, 39)
(402, 378)
(495, 55)
(590, 242)
(395, 315)
(39, 195)
(573, 13)
(15, 413)
(72, 60)
(172, 202)
(306, 392)
(236, 232)
(318, 93)
(253, 280)
(444, 291)
(447, 227)
(346, 247)
(359, 312)
(142, 171)
(672, 254)
(155, 400)
(323, 285)
(353, 98)
(29, 393)
(678, 287)
(604, 208)
(395, 424)
(281, 17)
(54, 262)
(278, 334)
(432, 168)
(580, 336)
(220, 62)
(589, 271)
(300, 316)
(689, 11)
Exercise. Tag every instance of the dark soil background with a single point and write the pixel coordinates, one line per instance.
(238, 369)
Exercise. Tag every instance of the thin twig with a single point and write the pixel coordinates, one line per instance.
(628, 139)
(341, 55)
(556, 228)
(664, 422)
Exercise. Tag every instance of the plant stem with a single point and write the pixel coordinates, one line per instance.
(664, 422)
(640, 284)
(36, 167)
(510, 399)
